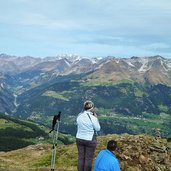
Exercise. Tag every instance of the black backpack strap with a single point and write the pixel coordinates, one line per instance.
(92, 124)
(90, 119)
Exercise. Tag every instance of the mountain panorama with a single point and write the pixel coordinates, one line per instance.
(131, 95)
(132, 98)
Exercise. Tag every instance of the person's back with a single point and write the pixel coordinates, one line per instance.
(106, 160)
(87, 124)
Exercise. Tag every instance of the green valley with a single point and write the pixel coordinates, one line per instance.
(131, 95)
(17, 133)
(122, 107)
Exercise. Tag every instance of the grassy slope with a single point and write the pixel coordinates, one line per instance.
(133, 150)
(17, 133)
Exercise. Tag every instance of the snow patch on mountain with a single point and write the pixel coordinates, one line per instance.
(169, 65)
(144, 66)
(117, 61)
(94, 60)
(129, 63)
(101, 65)
(2, 85)
(67, 63)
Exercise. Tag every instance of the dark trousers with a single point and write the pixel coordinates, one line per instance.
(86, 151)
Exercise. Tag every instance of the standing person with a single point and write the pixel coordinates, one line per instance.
(87, 125)
(106, 159)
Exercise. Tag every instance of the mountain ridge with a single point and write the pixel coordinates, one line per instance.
(32, 71)
(120, 87)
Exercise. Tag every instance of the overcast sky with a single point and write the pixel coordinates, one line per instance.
(92, 28)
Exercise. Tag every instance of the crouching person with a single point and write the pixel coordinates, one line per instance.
(106, 159)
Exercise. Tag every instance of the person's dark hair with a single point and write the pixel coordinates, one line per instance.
(88, 105)
(112, 145)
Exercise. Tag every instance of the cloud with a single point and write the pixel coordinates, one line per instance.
(37, 20)
(114, 17)
(114, 26)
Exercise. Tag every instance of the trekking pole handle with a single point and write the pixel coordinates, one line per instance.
(55, 119)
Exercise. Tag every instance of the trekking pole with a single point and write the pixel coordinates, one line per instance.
(55, 129)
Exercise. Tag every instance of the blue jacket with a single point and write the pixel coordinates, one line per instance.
(86, 125)
(106, 161)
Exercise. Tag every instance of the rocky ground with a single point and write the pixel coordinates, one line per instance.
(135, 153)
(144, 153)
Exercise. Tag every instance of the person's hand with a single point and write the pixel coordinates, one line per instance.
(94, 113)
